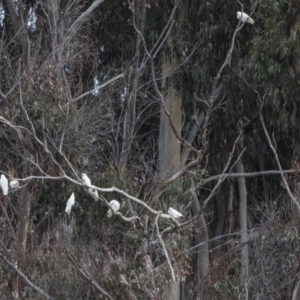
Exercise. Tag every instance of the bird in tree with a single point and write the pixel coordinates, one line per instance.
(14, 184)
(94, 193)
(86, 180)
(70, 204)
(174, 213)
(4, 184)
(115, 206)
(244, 17)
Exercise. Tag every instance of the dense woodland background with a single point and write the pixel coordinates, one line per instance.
(162, 103)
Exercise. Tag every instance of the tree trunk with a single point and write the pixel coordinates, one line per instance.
(220, 223)
(22, 232)
(130, 103)
(243, 222)
(202, 269)
(169, 147)
(20, 31)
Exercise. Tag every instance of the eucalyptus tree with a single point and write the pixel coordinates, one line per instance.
(157, 102)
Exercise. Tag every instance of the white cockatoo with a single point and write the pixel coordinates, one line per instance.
(70, 203)
(4, 184)
(94, 193)
(14, 184)
(174, 213)
(115, 206)
(123, 279)
(244, 17)
(86, 180)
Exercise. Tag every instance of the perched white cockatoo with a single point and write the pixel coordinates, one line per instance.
(123, 279)
(174, 213)
(4, 184)
(94, 193)
(86, 180)
(14, 184)
(70, 203)
(115, 206)
(244, 17)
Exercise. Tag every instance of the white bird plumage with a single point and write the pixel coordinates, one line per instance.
(94, 193)
(86, 180)
(174, 213)
(244, 17)
(4, 184)
(14, 184)
(115, 206)
(70, 203)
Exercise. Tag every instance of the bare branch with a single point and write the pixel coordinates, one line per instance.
(86, 275)
(79, 21)
(278, 163)
(250, 174)
(96, 89)
(163, 245)
(26, 280)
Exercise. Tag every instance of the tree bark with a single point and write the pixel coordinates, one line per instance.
(20, 31)
(130, 103)
(202, 269)
(22, 232)
(243, 222)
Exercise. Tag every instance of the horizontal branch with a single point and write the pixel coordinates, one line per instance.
(250, 174)
(96, 88)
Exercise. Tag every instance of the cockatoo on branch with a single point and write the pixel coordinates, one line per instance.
(244, 17)
(70, 203)
(174, 213)
(86, 180)
(14, 184)
(115, 206)
(4, 184)
(94, 193)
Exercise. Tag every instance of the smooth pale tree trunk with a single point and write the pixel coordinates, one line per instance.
(202, 271)
(243, 222)
(169, 147)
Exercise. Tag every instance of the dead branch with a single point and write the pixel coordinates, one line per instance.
(294, 200)
(96, 89)
(163, 245)
(86, 275)
(79, 21)
(26, 280)
(250, 174)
